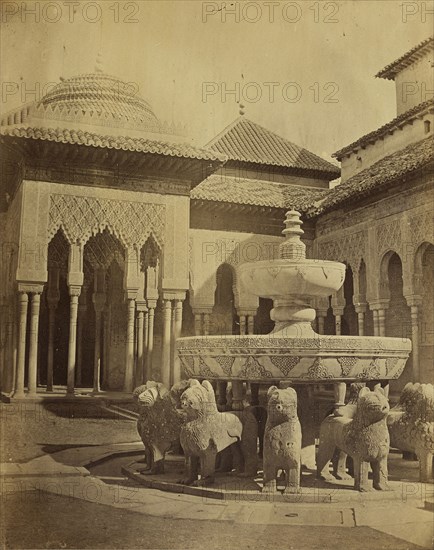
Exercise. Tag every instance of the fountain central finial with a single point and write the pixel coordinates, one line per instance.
(292, 248)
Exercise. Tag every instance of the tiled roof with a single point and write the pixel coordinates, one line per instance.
(397, 122)
(391, 70)
(385, 171)
(219, 188)
(141, 145)
(246, 141)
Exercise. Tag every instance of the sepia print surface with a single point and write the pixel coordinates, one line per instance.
(217, 259)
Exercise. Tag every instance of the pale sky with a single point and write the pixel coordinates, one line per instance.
(172, 50)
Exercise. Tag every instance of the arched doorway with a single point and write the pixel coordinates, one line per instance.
(397, 316)
(424, 279)
(224, 319)
(54, 317)
(263, 322)
(105, 323)
(349, 319)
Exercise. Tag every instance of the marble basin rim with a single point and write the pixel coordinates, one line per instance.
(270, 358)
(285, 278)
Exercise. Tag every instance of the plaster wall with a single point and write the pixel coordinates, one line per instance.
(415, 84)
(390, 143)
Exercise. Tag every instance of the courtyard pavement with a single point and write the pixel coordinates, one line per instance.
(70, 492)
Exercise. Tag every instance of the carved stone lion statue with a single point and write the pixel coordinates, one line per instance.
(364, 437)
(411, 425)
(206, 432)
(282, 440)
(160, 420)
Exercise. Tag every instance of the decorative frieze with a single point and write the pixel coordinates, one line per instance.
(81, 217)
(388, 236)
(421, 227)
(349, 248)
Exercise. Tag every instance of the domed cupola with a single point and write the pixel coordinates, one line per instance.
(100, 96)
(98, 103)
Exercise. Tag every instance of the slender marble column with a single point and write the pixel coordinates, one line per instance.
(74, 292)
(165, 352)
(250, 324)
(33, 342)
(151, 316)
(361, 322)
(242, 324)
(376, 324)
(145, 345)
(198, 324)
(82, 307)
(53, 297)
(340, 390)
(321, 320)
(21, 353)
(172, 342)
(52, 306)
(415, 340)
(139, 367)
(129, 363)
(237, 395)
(381, 322)
(206, 324)
(177, 334)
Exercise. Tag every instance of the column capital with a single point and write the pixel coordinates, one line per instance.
(74, 290)
(174, 294)
(247, 312)
(360, 307)
(141, 306)
(379, 304)
(338, 310)
(131, 293)
(30, 288)
(414, 300)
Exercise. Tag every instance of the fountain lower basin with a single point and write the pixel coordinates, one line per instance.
(272, 358)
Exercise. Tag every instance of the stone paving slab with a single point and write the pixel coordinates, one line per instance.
(227, 487)
(41, 466)
(415, 525)
(399, 513)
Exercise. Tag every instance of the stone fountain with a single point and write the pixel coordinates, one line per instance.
(293, 353)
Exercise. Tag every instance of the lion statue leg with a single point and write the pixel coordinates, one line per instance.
(157, 466)
(425, 465)
(325, 454)
(192, 470)
(380, 474)
(340, 465)
(361, 469)
(292, 479)
(207, 468)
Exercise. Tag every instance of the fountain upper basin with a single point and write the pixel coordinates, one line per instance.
(289, 278)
